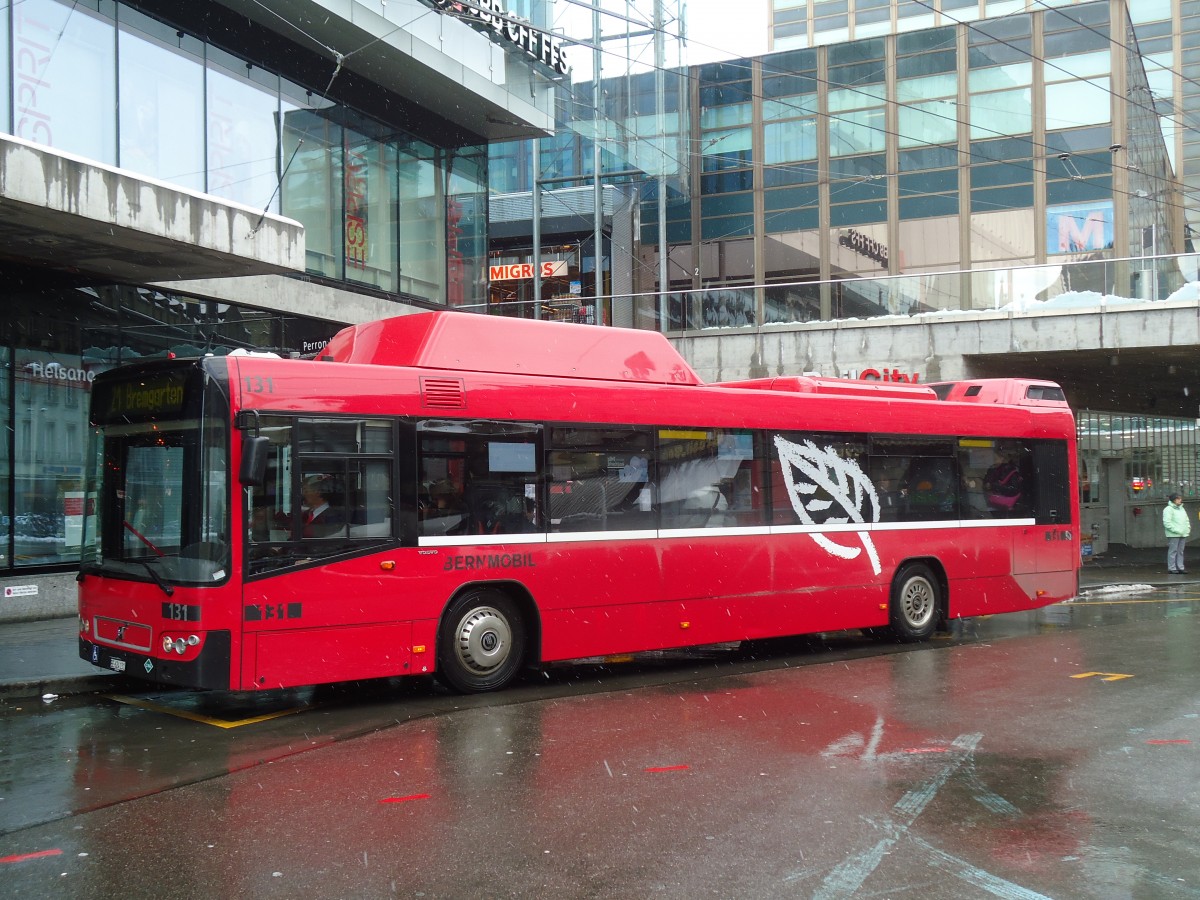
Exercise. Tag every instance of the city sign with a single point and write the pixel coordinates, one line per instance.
(887, 373)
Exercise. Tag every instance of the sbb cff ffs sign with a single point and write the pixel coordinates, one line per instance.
(520, 271)
(541, 45)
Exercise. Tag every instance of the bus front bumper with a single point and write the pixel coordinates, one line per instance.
(209, 670)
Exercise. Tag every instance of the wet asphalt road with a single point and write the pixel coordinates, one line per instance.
(1050, 754)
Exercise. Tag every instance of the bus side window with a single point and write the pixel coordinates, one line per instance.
(705, 478)
(916, 478)
(930, 489)
(335, 497)
(370, 499)
(887, 477)
(841, 461)
(270, 502)
(478, 477)
(601, 478)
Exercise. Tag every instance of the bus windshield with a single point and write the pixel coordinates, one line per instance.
(157, 504)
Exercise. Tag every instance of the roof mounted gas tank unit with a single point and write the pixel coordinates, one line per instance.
(1010, 391)
(469, 342)
(845, 387)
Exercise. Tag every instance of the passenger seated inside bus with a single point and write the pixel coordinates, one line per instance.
(321, 518)
(441, 510)
(929, 489)
(495, 508)
(1004, 485)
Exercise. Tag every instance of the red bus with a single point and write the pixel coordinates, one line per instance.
(468, 495)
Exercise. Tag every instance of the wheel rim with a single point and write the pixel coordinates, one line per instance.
(483, 640)
(917, 602)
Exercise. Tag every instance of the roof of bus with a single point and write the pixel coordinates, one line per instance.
(315, 388)
(465, 342)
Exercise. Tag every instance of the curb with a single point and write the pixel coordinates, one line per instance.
(36, 688)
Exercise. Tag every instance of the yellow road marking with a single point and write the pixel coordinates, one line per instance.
(1107, 676)
(204, 720)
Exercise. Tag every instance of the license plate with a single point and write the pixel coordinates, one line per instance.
(117, 665)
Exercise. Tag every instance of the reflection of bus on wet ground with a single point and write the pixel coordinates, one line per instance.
(510, 493)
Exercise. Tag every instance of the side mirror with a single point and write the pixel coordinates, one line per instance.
(255, 451)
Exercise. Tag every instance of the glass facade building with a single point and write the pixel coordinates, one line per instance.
(1003, 143)
(231, 102)
(913, 172)
(1165, 35)
(106, 82)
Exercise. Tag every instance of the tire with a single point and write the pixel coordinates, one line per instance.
(481, 642)
(915, 604)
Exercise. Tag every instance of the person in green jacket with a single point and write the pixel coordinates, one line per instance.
(1178, 526)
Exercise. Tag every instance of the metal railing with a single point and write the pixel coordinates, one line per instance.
(1070, 284)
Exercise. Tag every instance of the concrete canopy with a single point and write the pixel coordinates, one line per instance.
(71, 214)
(419, 54)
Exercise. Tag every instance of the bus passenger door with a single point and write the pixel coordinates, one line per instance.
(1052, 543)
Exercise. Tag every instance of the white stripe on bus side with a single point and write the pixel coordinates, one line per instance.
(575, 537)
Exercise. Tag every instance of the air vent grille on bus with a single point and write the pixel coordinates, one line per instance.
(444, 393)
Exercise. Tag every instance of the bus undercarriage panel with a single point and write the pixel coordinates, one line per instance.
(320, 655)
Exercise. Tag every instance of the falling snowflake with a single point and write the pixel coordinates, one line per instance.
(807, 470)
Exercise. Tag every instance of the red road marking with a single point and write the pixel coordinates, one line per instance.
(404, 799)
(666, 768)
(21, 857)
(1169, 742)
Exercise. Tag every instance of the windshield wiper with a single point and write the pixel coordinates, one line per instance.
(141, 537)
(166, 588)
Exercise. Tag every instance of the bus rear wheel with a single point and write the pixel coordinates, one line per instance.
(481, 643)
(915, 603)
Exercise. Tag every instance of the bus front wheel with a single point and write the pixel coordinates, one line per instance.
(915, 602)
(481, 643)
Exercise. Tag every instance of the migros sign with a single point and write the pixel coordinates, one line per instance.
(524, 271)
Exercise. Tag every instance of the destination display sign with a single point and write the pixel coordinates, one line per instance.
(151, 396)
